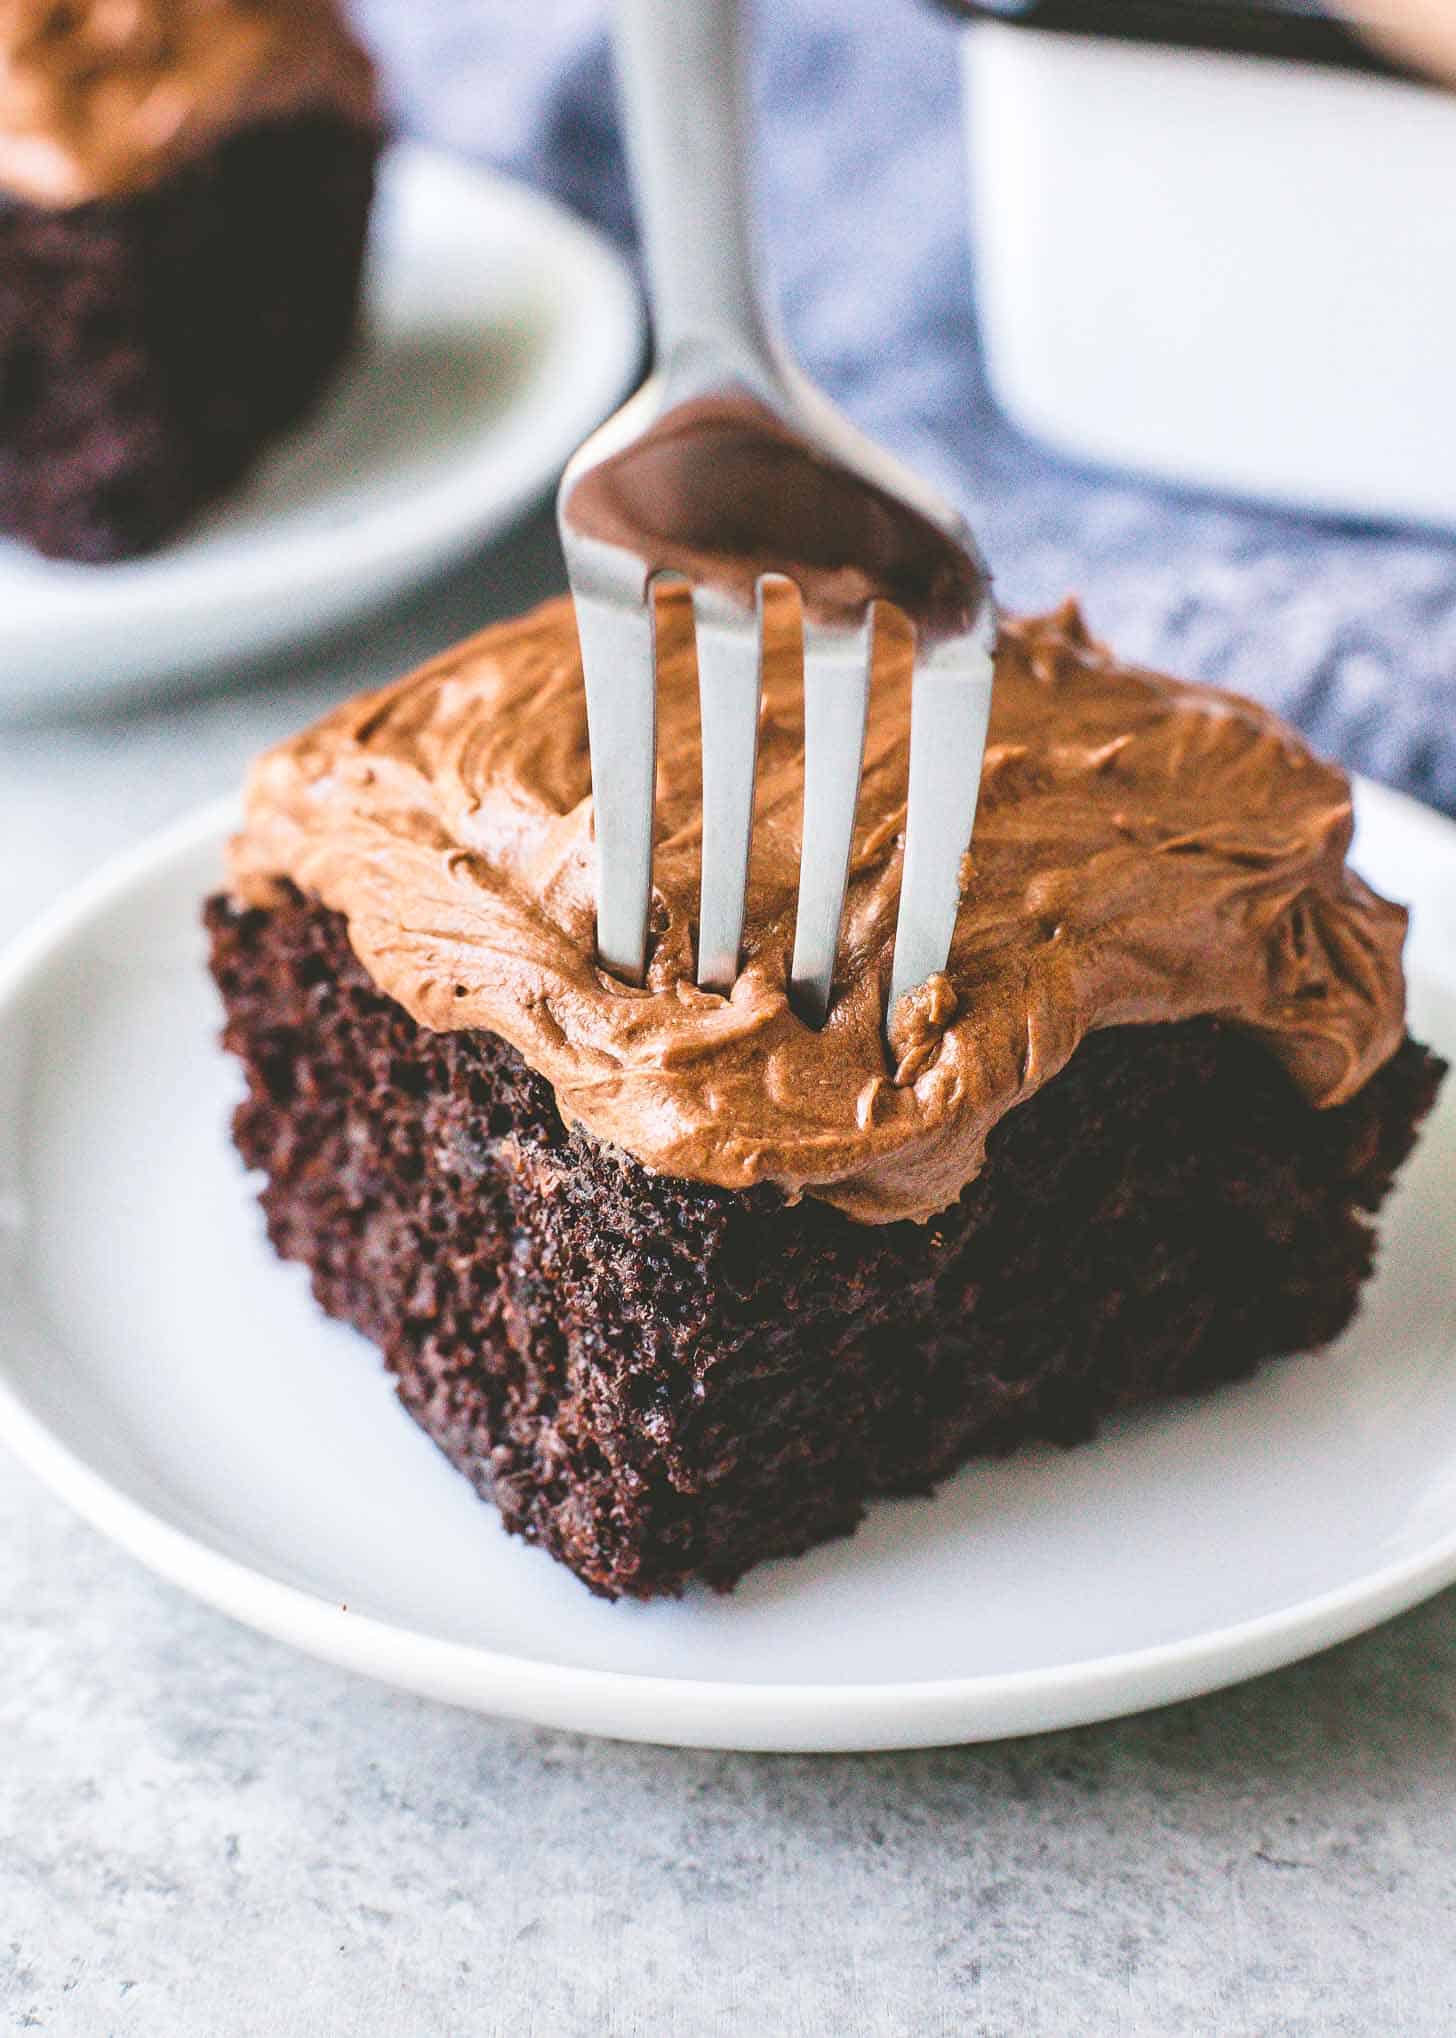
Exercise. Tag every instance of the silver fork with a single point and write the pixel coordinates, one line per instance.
(729, 468)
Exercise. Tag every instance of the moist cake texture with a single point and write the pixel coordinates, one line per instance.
(680, 1284)
(184, 192)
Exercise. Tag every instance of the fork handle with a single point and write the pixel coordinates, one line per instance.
(684, 90)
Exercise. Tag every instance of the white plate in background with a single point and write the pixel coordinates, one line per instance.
(499, 330)
(175, 1383)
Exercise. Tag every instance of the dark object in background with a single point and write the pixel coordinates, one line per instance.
(152, 344)
(184, 194)
(1295, 31)
(658, 1380)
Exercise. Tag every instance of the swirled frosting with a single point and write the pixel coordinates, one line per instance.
(1144, 851)
(100, 98)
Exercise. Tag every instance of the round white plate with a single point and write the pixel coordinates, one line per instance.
(174, 1382)
(499, 330)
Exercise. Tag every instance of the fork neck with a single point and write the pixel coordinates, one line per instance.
(683, 71)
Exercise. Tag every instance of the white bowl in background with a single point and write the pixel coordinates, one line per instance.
(1221, 268)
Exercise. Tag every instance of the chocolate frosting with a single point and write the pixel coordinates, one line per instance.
(722, 490)
(1144, 851)
(100, 98)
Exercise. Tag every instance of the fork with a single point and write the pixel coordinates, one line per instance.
(730, 469)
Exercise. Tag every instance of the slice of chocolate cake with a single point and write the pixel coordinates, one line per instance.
(184, 193)
(681, 1283)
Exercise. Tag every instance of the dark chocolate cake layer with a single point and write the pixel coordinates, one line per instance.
(657, 1379)
(152, 344)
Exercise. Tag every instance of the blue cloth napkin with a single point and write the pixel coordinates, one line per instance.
(1349, 631)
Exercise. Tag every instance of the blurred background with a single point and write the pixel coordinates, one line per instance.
(1055, 214)
(1349, 627)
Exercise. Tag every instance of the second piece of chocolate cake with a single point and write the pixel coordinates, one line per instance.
(184, 196)
(682, 1284)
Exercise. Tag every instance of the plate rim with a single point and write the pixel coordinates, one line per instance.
(636, 1706)
(451, 517)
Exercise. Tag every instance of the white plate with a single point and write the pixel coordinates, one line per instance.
(499, 331)
(173, 1381)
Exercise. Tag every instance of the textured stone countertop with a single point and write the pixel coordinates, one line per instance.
(203, 1835)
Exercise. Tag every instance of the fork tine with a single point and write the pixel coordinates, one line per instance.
(619, 666)
(950, 702)
(836, 698)
(730, 668)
